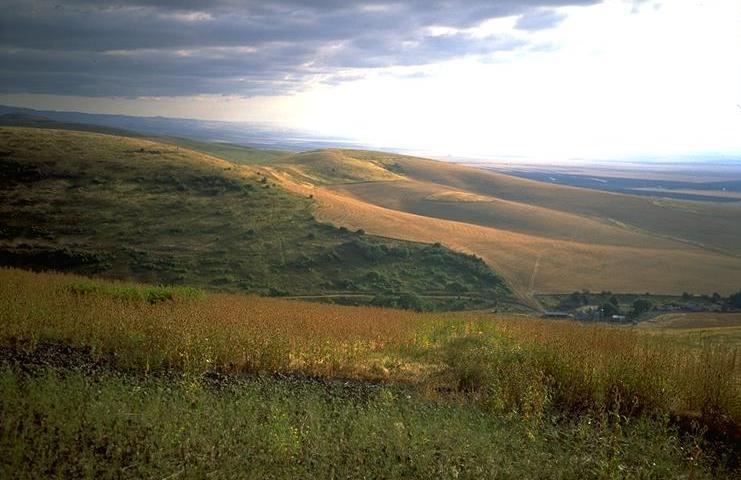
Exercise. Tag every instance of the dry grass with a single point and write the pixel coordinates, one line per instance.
(221, 332)
(691, 191)
(457, 196)
(544, 239)
(697, 329)
(509, 363)
(715, 226)
(537, 264)
(695, 320)
(437, 201)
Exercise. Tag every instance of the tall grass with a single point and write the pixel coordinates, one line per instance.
(72, 425)
(217, 332)
(508, 363)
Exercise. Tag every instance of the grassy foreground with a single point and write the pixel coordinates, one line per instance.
(97, 383)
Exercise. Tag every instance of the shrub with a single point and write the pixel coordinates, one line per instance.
(407, 301)
(277, 292)
(641, 306)
(734, 300)
(609, 309)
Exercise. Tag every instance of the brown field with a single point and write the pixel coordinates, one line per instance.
(542, 237)
(695, 320)
(712, 193)
(698, 328)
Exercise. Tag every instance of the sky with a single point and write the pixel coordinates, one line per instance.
(537, 79)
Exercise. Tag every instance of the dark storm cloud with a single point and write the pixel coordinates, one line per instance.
(184, 47)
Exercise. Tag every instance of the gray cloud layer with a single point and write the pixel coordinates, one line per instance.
(186, 47)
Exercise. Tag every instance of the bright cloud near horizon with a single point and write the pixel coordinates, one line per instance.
(539, 78)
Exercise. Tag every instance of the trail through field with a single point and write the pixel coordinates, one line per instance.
(535, 272)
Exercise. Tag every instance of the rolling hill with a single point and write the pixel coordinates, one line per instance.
(332, 166)
(543, 237)
(132, 208)
(227, 151)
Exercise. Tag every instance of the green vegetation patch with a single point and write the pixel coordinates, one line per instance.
(229, 151)
(334, 166)
(135, 292)
(68, 424)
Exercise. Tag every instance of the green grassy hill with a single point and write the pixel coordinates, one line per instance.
(136, 209)
(28, 120)
(334, 166)
(228, 151)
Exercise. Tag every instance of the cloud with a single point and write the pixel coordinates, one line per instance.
(188, 47)
(539, 20)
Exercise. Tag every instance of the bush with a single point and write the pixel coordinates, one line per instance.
(151, 295)
(609, 309)
(456, 287)
(734, 300)
(641, 306)
(276, 292)
(407, 301)
(410, 301)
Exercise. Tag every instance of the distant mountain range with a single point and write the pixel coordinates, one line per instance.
(239, 133)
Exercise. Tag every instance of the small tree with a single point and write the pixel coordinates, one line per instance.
(609, 309)
(734, 300)
(641, 306)
(410, 301)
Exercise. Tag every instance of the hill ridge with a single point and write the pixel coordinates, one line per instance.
(136, 209)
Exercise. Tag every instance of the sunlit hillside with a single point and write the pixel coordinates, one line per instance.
(543, 237)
